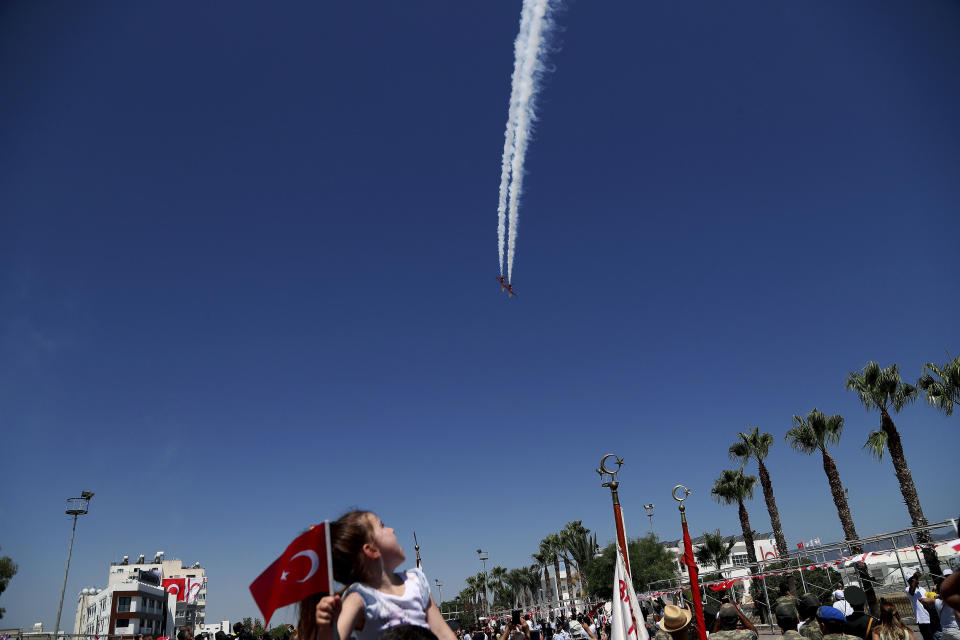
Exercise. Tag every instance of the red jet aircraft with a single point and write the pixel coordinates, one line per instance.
(508, 287)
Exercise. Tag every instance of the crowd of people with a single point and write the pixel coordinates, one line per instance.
(380, 603)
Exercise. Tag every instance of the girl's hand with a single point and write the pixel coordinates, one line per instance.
(327, 611)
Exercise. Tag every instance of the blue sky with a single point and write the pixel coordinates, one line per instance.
(247, 261)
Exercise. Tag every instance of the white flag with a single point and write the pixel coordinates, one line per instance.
(627, 614)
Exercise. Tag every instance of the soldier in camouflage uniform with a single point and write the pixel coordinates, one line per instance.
(787, 599)
(787, 619)
(810, 629)
(832, 621)
(726, 625)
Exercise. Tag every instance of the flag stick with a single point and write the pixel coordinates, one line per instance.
(691, 564)
(617, 512)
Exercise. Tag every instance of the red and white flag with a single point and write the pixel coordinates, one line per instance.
(177, 587)
(305, 568)
(627, 614)
(193, 589)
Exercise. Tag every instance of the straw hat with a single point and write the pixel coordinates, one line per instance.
(674, 618)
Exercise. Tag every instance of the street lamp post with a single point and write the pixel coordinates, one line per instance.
(649, 508)
(75, 507)
(440, 591)
(484, 556)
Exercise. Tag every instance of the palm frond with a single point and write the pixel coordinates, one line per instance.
(733, 487)
(802, 438)
(740, 451)
(876, 444)
(942, 388)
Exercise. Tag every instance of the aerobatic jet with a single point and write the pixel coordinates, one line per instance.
(510, 292)
(503, 283)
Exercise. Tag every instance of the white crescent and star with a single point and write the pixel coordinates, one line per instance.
(314, 564)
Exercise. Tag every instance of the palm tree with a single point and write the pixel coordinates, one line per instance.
(756, 445)
(943, 391)
(541, 560)
(814, 433)
(551, 547)
(475, 586)
(883, 389)
(715, 550)
(515, 585)
(576, 541)
(531, 580)
(735, 487)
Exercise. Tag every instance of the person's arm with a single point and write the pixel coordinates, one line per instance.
(913, 582)
(526, 629)
(716, 625)
(746, 622)
(436, 622)
(950, 590)
(589, 633)
(506, 631)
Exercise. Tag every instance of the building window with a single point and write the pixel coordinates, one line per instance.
(739, 559)
(123, 623)
(123, 604)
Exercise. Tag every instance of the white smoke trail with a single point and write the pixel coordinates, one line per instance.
(509, 134)
(530, 50)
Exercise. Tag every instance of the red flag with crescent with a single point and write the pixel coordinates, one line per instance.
(305, 568)
(176, 586)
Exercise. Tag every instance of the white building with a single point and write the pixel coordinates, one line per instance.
(194, 613)
(124, 608)
(212, 629)
(549, 585)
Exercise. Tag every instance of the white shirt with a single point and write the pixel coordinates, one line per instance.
(948, 617)
(843, 606)
(919, 612)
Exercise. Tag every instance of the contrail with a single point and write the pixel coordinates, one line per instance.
(509, 134)
(530, 51)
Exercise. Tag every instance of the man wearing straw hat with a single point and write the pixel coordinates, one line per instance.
(673, 624)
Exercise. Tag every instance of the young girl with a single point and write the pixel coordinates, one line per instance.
(365, 556)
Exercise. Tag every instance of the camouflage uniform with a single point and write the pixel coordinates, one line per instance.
(790, 601)
(839, 636)
(792, 635)
(811, 630)
(662, 635)
(735, 634)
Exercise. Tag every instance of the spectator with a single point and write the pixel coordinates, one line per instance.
(673, 624)
(840, 604)
(809, 628)
(859, 623)
(785, 598)
(920, 613)
(890, 627)
(946, 614)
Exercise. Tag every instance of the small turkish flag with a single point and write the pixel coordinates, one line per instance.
(176, 586)
(305, 568)
(799, 545)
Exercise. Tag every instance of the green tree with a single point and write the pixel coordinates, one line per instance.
(735, 487)
(8, 569)
(884, 390)
(942, 385)
(754, 445)
(649, 562)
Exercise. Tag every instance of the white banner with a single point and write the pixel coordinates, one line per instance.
(627, 614)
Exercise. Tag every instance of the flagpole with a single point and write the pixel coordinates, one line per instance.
(688, 560)
(617, 512)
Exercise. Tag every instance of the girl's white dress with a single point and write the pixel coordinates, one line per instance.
(383, 610)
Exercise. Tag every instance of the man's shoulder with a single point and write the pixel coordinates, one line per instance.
(811, 630)
(792, 635)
